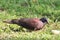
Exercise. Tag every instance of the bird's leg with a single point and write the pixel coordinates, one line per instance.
(35, 29)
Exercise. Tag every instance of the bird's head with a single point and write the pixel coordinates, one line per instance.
(44, 20)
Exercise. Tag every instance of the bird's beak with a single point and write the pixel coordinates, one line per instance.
(47, 23)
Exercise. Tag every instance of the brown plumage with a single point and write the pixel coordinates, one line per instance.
(29, 23)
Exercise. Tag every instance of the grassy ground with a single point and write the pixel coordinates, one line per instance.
(11, 9)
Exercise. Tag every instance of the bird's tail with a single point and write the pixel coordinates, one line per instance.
(7, 21)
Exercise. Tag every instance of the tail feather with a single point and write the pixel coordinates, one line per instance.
(7, 21)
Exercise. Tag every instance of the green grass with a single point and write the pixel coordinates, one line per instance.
(29, 9)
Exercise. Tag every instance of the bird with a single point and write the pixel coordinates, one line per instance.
(29, 23)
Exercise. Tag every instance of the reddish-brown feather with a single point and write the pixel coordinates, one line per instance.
(29, 23)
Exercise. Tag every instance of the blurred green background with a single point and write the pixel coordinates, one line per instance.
(11, 9)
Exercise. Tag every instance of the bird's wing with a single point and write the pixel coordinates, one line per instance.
(29, 21)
